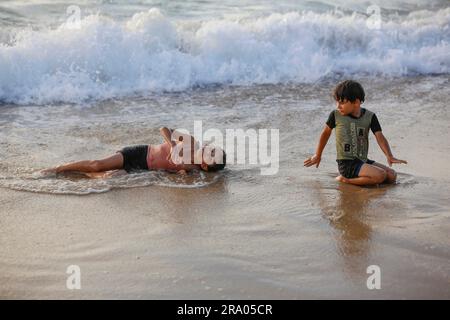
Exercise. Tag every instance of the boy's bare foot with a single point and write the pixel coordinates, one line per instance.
(341, 179)
(48, 171)
(95, 175)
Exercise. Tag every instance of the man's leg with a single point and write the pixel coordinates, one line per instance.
(368, 175)
(110, 163)
(391, 174)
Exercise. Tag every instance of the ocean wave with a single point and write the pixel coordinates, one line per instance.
(100, 58)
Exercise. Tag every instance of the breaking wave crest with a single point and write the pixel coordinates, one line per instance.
(101, 58)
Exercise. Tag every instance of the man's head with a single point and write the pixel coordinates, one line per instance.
(213, 158)
(348, 95)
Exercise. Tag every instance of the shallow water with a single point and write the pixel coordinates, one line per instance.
(35, 137)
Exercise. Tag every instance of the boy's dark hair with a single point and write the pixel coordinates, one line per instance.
(350, 90)
(218, 166)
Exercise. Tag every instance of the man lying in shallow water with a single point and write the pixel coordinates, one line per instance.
(166, 156)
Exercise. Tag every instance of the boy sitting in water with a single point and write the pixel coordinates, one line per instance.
(166, 156)
(352, 125)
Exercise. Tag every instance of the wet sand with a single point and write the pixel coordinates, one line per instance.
(296, 235)
(164, 243)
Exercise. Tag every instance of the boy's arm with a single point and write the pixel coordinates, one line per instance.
(172, 137)
(384, 145)
(316, 158)
(167, 134)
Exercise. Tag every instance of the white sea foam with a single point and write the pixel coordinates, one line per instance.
(104, 58)
(32, 181)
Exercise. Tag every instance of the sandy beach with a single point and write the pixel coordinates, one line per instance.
(70, 94)
(158, 243)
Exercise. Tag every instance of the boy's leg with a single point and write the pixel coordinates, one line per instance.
(391, 174)
(368, 174)
(110, 163)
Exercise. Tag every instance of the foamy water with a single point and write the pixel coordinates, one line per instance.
(102, 57)
(26, 179)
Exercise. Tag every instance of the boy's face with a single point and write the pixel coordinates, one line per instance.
(208, 154)
(346, 107)
(211, 155)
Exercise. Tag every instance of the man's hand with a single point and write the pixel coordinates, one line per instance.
(392, 160)
(314, 160)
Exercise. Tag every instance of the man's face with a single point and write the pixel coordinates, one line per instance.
(345, 107)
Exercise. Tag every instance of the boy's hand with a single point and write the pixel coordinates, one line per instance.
(392, 160)
(315, 159)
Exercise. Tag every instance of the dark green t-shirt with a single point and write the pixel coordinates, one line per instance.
(374, 124)
(352, 133)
